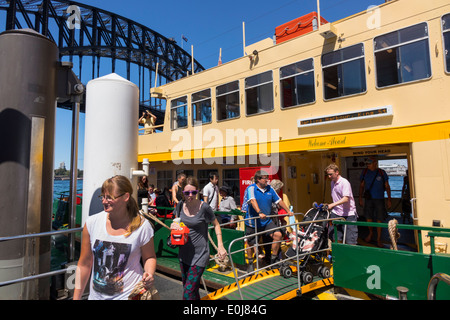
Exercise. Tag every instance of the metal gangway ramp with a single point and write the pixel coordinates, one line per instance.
(267, 285)
(283, 280)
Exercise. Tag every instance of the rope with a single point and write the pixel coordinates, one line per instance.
(149, 215)
(223, 264)
(393, 233)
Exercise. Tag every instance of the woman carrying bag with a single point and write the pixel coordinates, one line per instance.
(194, 255)
(113, 243)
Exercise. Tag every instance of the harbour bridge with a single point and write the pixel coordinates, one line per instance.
(81, 31)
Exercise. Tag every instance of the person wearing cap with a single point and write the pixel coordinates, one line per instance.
(374, 181)
(261, 196)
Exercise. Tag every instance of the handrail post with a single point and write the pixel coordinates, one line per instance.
(432, 285)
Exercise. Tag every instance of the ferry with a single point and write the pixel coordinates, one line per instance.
(372, 84)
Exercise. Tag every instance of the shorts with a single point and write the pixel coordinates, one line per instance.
(250, 230)
(351, 236)
(375, 209)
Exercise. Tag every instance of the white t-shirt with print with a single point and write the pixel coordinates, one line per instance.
(116, 259)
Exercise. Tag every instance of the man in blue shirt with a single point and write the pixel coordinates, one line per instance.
(374, 181)
(260, 198)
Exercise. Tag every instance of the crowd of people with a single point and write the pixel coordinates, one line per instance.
(117, 250)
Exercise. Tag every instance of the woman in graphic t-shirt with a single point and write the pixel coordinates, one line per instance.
(113, 243)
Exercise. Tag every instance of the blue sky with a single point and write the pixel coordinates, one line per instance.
(208, 25)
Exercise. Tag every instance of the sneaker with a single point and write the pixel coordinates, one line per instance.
(274, 260)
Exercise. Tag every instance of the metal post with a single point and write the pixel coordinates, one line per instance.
(73, 177)
(402, 293)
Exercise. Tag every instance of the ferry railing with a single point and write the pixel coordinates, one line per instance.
(432, 286)
(391, 264)
(142, 130)
(37, 235)
(298, 257)
(439, 231)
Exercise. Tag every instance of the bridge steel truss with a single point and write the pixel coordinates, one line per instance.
(82, 30)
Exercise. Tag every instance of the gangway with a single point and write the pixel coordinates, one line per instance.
(377, 273)
(267, 285)
(288, 281)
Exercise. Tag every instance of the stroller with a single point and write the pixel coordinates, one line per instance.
(309, 239)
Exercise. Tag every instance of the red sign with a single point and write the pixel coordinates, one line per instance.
(246, 174)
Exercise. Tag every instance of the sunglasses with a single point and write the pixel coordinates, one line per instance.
(190, 193)
(109, 198)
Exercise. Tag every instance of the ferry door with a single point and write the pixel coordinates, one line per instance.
(306, 182)
(396, 166)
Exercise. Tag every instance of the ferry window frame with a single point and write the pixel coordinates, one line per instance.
(257, 85)
(163, 177)
(230, 178)
(175, 108)
(187, 172)
(201, 101)
(295, 77)
(203, 177)
(400, 65)
(446, 41)
(228, 93)
(343, 61)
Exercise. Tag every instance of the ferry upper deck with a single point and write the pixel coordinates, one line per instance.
(370, 84)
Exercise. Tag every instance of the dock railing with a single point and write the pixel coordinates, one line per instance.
(32, 236)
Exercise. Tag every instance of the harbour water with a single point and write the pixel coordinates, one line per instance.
(60, 186)
(396, 184)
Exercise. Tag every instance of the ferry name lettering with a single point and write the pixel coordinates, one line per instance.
(326, 143)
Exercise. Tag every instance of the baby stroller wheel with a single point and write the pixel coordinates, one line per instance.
(325, 272)
(307, 277)
(286, 271)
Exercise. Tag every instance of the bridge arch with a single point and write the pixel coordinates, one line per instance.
(81, 30)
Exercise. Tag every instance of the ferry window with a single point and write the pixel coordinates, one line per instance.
(259, 93)
(402, 56)
(186, 172)
(178, 112)
(201, 107)
(164, 179)
(227, 96)
(231, 179)
(297, 84)
(446, 34)
(203, 177)
(344, 72)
